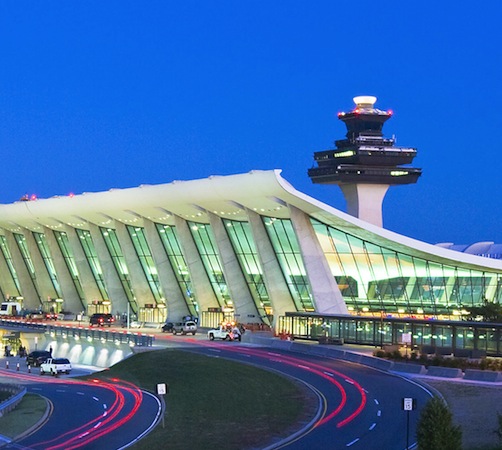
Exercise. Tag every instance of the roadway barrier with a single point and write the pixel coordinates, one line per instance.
(482, 375)
(444, 372)
(371, 361)
(17, 395)
(409, 368)
(377, 363)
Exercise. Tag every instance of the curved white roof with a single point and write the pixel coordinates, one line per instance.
(265, 192)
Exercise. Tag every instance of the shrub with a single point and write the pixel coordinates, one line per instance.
(435, 429)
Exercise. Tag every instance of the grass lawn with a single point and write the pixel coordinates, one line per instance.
(214, 403)
(29, 411)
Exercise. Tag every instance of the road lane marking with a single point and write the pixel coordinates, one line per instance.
(80, 393)
(352, 443)
(95, 398)
(97, 425)
(104, 406)
(349, 381)
(379, 413)
(372, 426)
(376, 401)
(214, 350)
(330, 374)
(301, 366)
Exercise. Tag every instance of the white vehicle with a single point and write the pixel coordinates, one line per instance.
(55, 366)
(225, 333)
(10, 308)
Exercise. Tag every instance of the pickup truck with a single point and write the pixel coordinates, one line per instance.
(224, 333)
(55, 366)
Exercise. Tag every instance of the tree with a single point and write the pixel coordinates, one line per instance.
(487, 311)
(435, 429)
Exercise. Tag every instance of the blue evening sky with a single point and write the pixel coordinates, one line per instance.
(112, 94)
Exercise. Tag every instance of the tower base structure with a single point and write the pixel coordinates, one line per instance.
(364, 201)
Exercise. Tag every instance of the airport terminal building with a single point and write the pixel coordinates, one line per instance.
(247, 247)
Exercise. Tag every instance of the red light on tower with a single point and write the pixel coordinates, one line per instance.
(33, 197)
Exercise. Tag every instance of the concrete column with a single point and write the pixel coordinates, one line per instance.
(365, 201)
(200, 281)
(29, 291)
(275, 282)
(86, 277)
(140, 286)
(72, 300)
(113, 284)
(326, 294)
(243, 301)
(176, 302)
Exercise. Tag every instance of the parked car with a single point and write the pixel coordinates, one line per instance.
(37, 357)
(101, 320)
(189, 327)
(167, 327)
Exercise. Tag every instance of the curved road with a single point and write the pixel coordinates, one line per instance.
(95, 415)
(360, 407)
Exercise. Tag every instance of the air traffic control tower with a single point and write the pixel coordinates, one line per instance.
(365, 164)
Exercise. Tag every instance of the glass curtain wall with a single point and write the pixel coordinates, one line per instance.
(283, 239)
(10, 265)
(245, 249)
(172, 247)
(69, 259)
(43, 247)
(23, 248)
(146, 260)
(92, 258)
(113, 246)
(388, 282)
(203, 238)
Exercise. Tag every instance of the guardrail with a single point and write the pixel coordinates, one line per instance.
(17, 395)
(81, 333)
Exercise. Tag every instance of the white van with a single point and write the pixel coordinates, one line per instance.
(10, 309)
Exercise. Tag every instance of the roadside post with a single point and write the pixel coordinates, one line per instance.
(408, 404)
(162, 389)
(406, 340)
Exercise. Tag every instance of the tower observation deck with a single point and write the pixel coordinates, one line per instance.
(365, 164)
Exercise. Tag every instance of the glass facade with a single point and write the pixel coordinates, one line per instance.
(113, 246)
(244, 247)
(23, 248)
(43, 247)
(8, 260)
(203, 238)
(146, 260)
(285, 244)
(172, 247)
(462, 339)
(374, 279)
(93, 261)
(69, 259)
